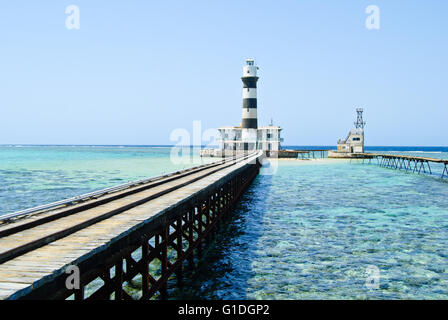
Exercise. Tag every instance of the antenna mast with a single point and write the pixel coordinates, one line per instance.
(359, 121)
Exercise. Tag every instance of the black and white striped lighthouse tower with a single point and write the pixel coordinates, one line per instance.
(249, 124)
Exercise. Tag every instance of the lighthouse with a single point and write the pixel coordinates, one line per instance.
(248, 136)
(249, 123)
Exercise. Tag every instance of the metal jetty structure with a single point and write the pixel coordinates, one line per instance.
(114, 235)
(304, 154)
(407, 163)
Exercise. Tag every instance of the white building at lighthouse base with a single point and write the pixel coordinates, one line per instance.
(233, 139)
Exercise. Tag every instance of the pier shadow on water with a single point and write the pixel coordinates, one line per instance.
(223, 270)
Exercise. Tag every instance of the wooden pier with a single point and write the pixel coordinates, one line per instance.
(145, 233)
(408, 163)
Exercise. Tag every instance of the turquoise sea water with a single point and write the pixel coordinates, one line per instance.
(311, 230)
(307, 232)
(34, 175)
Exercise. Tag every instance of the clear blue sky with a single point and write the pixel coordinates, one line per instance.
(136, 70)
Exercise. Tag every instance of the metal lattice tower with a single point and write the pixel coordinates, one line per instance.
(359, 121)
